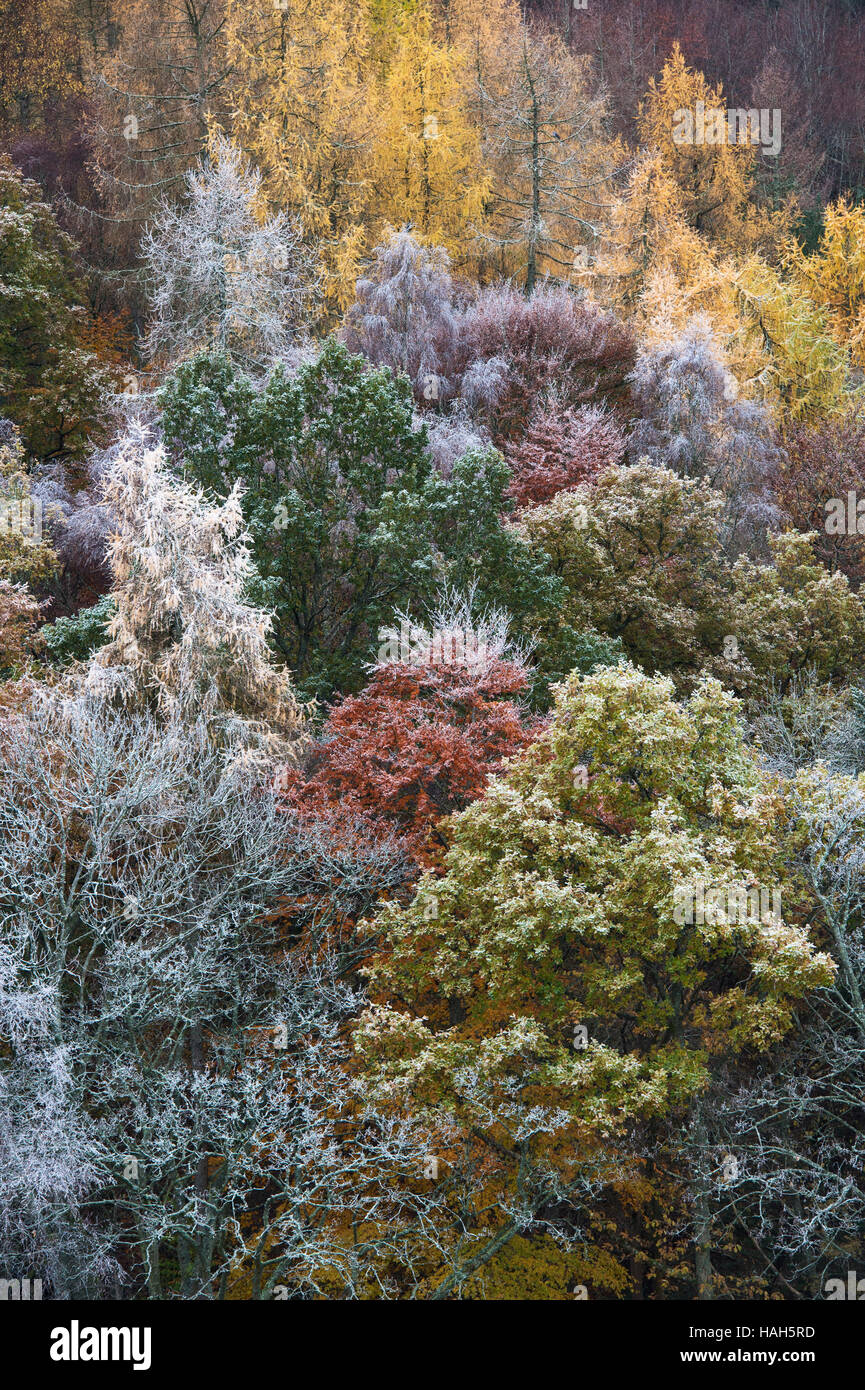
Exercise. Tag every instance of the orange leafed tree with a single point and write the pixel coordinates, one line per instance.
(417, 743)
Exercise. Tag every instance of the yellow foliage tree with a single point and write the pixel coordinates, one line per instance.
(427, 165)
(807, 371)
(784, 334)
(543, 121)
(648, 231)
(302, 108)
(834, 276)
(714, 173)
(40, 58)
(655, 267)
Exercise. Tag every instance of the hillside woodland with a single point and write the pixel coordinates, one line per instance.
(432, 648)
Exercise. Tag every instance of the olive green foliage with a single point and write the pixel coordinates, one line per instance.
(558, 908)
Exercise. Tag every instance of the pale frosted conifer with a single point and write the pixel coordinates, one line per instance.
(694, 421)
(183, 640)
(404, 317)
(223, 276)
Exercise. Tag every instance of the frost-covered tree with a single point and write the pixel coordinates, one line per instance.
(178, 1111)
(693, 420)
(26, 555)
(19, 613)
(513, 350)
(52, 384)
(642, 559)
(794, 1123)
(640, 555)
(544, 136)
(805, 723)
(333, 476)
(435, 721)
(822, 461)
(183, 639)
(223, 274)
(77, 524)
(452, 435)
(404, 316)
(77, 637)
(557, 916)
(348, 518)
(562, 448)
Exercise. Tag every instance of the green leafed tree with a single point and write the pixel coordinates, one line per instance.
(642, 558)
(348, 519)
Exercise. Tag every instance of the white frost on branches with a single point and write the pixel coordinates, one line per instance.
(179, 1109)
(184, 640)
(404, 317)
(223, 275)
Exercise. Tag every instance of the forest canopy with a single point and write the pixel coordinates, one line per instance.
(432, 635)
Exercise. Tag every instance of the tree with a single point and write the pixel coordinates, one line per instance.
(452, 435)
(544, 137)
(180, 1115)
(715, 173)
(19, 614)
(422, 739)
(221, 276)
(794, 1124)
(834, 275)
(427, 164)
(514, 350)
(692, 419)
(562, 448)
(648, 231)
(641, 558)
(348, 520)
(822, 461)
(473, 504)
(404, 315)
(795, 616)
(806, 371)
(26, 555)
(184, 642)
(156, 88)
(334, 476)
(40, 60)
(77, 637)
(804, 721)
(799, 167)
(560, 912)
(52, 384)
(77, 525)
(656, 267)
(303, 107)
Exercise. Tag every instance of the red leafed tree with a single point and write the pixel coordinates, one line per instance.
(561, 449)
(516, 350)
(418, 742)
